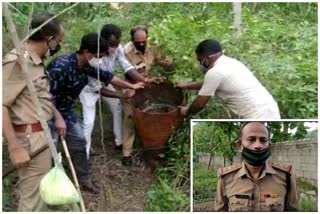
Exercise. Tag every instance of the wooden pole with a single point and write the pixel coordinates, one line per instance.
(46, 22)
(74, 175)
(11, 168)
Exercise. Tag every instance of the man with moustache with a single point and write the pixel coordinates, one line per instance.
(143, 55)
(228, 79)
(256, 184)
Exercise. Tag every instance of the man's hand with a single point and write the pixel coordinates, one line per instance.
(184, 110)
(138, 85)
(18, 155)
(128, 94)
(167, 64)
(61, 126)
(189, 85)
(182, 85)
(141, 70)
(156, 80)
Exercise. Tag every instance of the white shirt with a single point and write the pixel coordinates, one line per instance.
(109, 64)
(239, 90)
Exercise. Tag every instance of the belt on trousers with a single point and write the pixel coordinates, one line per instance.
(36, 127)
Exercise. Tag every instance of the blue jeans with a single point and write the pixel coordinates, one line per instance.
(76, 144)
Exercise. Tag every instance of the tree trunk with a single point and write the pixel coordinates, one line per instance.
(212, 143)
(255, 7)
(237, 17)
(210, 160)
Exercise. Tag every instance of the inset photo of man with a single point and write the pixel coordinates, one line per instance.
(255, 166)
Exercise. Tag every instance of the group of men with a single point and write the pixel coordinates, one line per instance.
(89, 73)
(85, 74)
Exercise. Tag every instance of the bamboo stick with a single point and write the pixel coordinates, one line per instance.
(46, 22)
(75, 179)
(11, 168)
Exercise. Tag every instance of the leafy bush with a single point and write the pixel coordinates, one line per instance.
(172, 193)
(204, 183)
(164, 198)
(307, 206)
(7, 196)
(281, 51)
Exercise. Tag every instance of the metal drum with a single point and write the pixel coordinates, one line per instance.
(156, 113)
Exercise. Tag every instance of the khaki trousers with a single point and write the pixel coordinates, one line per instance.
(128, 127)
(30, 176)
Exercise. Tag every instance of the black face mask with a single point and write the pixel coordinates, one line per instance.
(255, 157)
(140, 48)
(56, 50)
(53, 51)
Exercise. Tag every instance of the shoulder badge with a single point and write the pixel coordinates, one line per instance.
(282, 167)
(228, 169)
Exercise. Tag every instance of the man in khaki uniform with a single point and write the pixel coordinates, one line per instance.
(21, 125)
(142, 56)
(257, 184)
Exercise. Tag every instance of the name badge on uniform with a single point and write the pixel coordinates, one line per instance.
(243, 196)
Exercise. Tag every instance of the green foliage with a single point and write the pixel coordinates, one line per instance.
(218, 138)
(313, 134)
(307, 206)
(173, 190)
(281, 51)
(164, 198)
(283, 131)
(7, 195)
(278, 41)
(204, 183)
(306, 203)
(306, 186)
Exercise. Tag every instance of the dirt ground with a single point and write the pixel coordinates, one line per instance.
(123, 188)
(203, 206)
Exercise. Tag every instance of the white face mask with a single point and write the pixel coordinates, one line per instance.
(112, 50)
(47, 54)
(95, 62)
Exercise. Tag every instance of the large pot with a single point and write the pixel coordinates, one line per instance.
(155, 128)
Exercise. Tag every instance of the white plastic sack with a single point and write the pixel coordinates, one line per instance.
(57, 189)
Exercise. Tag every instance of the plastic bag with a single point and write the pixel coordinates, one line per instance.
(57, 189)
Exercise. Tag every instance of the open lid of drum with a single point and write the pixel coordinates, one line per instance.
(157, 98)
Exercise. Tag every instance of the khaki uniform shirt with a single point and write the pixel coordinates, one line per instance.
(15, 94)
(237, 191)
(138, 60)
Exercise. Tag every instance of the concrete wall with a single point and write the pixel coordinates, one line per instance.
(302, 155)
